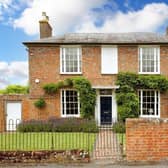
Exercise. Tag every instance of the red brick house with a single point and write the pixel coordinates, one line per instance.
(98, 57)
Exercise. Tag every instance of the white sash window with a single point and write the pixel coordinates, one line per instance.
(149, 103)
(149, 60)
(70, 60)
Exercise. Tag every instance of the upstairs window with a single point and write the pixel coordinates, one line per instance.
(149, 60)
(109, 60)
(149, 103)
(70, 60)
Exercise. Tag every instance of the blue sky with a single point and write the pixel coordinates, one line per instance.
(19, 22)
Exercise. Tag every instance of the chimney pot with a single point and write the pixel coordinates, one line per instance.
(44, 17)
(45, 28)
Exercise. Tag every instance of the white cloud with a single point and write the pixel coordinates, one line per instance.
(5, 3)
(75, 15)
(64, 14)
(8, 8)
(15, 72)
(150, 18)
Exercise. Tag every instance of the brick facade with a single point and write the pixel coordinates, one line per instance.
(146, 139)
(44, 64)
(29, 111)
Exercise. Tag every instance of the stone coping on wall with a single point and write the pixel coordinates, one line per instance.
(146, 120)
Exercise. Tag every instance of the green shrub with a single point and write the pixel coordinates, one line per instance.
(60, 84)
(127, 78)
(127, 98)
(87, 94)
(157, 82)
(128, 106)
(15, 89)
(50, 88)
(119, 127)
(40, 103)
(68, 82)
(87, 97)
(59, 125)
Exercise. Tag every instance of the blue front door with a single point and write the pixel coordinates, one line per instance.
(106, 110)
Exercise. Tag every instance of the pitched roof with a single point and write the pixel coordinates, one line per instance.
(104, 38)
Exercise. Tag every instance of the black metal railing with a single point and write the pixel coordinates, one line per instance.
(11, 139)
(101, 144)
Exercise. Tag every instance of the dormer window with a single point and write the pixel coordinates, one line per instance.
(70, 60)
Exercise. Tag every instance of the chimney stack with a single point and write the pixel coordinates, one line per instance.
(45, 28)
(167, 31)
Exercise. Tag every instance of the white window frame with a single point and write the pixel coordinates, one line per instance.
(68, 115)
(140, 70)
(62, 51)
(141, 104)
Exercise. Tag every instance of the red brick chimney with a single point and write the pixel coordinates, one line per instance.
(167, 31)
(45, 28)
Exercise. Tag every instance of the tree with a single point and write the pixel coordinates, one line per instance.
(15, 89)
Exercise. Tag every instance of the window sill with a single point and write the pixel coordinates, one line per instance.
(149, 116)
(70, 73)
(70, 116)
(102, 73)
(149, 73)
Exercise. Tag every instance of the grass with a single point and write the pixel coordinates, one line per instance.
(122, 140)
(46, 141)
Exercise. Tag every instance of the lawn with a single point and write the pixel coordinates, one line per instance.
(46, 141)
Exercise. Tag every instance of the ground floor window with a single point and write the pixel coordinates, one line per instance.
(149, 103)
(70, 103)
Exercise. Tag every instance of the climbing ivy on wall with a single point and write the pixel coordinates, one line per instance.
(87, 94)
(127, 94)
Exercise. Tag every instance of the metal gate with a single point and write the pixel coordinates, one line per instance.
(108, 145)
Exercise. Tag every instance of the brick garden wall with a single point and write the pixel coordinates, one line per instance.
(3, 100)
(29, 111)
(50, 110)
(146, 139)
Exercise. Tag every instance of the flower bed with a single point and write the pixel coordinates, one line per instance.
(59, 125)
